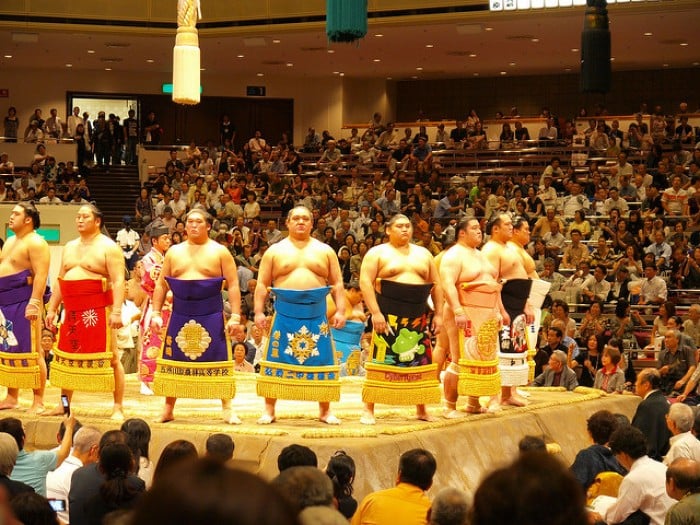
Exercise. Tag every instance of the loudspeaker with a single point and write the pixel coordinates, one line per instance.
(595, 49)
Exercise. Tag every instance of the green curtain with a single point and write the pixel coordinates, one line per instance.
(346, 20)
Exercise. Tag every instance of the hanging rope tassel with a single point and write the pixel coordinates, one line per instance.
(346, 20)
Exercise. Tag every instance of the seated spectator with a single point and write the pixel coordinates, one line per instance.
(450, 507)
(652, 289)
(116, 492)
(557, 373)
(178, 452)
(29, 508)
(86, 481)
(592, 322)
(554, 240)
(550, 275)
(683, 485)
(597, 458)
(676, 363)
(531, 444)
(661, 250)
(406, 503)
(85, 447)
(643, 490)
(589, 359)
(305, 487)
(536, 489)
(219, 447)
(610, 378)
(296, 456)
(8, 458)
(683, 443)
(32, 467)
(575, 252)
(138, 435)
(341, 470)
(650, 416)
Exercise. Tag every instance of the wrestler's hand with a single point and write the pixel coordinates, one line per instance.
(31, 312)
(529, 314)
(437, 323)
(49, 322)
(379, 323)
(234, 330)
(156, 323)
(115, 320)
(461, 321)
(261, 321)
(338, 320)
(505, 318)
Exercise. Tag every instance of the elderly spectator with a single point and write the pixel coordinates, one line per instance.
(450, 507)
(676, 363)
(575, 252)
(304, 487)
(683, 485)
(557, 373)
(8, 457)
(683, 443)
(650, 416)
(596, 287)
(660, 249)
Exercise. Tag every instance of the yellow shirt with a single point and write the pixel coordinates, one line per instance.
(403, 504)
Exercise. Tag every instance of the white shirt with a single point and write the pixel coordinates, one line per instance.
(684, 445)
(643, 488)
(58, 482)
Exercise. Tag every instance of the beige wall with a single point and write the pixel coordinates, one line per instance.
(324, 103)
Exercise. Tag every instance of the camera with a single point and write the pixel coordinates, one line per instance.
(58, 505)
(66, 404)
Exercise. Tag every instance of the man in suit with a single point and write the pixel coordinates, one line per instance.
(650, 417)
(557, 373)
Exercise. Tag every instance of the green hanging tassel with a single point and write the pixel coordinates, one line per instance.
(346, 20)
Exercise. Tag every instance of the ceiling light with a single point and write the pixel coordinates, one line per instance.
(419, 69)
(336, 72)
(108, 69)
(511, 64)
(696, 63)
(574, 49)
(472, 55)
(341, 74)
(648, 34)
(503, 73)
(567, 69)
(150, 60)
(388, 78)
(331, 51)
(260, 74)
(69, 65)
(664, 65)
(379, 35)
(276, 41)
(240, 56)
(612, 59)
(91, 51)
(414, 77)
(429, 45)
(488, 29)
(535, 40)
(8, 56)
(476, 74)
(377, 60)
(684, 44)
(289, 64)
(202, 68)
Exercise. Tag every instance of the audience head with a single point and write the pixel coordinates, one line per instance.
(8, 453)
(178, 452)
(680, 418)
(532, 444)
(682, 477)
(219, 447)
(341, 470)
(205, 492)
(305, 487)
(450, 507)
(536, 489)
(601, 425)
(30, 508)
(86, 444)
(417, 467)
(647, 380)
(13, 426)
(296, 456)
(627, 445)
(116, 464)
(138, 435)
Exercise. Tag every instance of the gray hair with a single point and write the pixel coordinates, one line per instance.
(305, 487)
(8, 453)
(321, 515)
(561, 356)
(682, 416)
(86, 438)
(450, 507)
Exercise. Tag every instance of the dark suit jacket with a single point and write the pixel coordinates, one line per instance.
(85, 485)
(650, 418)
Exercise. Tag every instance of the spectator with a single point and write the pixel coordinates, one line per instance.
(676, 363)
(531, 444)
(642, 491)
(450, 507)
(128, 240)
(596, 287)
(341, 470)
(610, 378)
(650, 416)
(8, 458)
(536, 489)
(178, 452)
(597, 458)
(29, 508)
(558, 373)
(219, 447)
(138, 435)
(32, 467)
(406, 503)
(652, 287)
(683, 443)
(305, 487)
(296, 456)
(683, 484)
(206, 492)
(85, 452)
